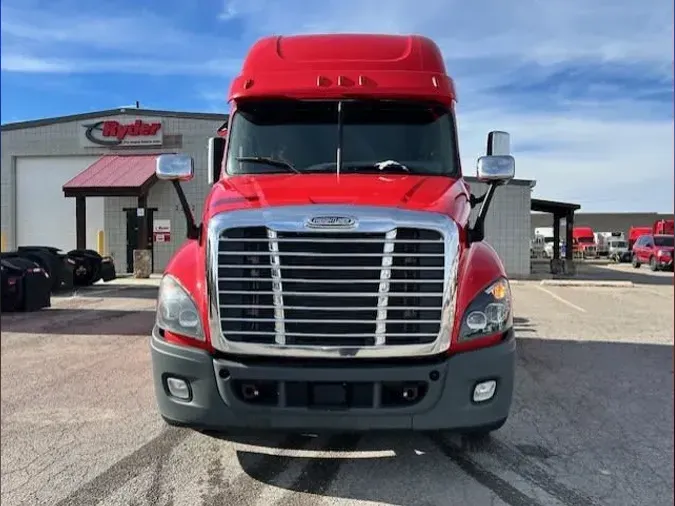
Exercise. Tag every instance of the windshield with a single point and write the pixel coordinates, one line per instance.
(303, 136)
(586, 240)
(617, 244)
(664, 240)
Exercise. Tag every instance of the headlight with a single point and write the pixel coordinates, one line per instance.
(176, 311)
(488, 313)
(663, 253)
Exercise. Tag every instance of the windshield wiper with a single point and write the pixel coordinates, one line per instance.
(381, 166)
(268, 161)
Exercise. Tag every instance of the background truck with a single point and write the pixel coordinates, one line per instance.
(663, 227)
(584, 242)
(603, 239)
(335, 281)
(543, 241)
(617, 248)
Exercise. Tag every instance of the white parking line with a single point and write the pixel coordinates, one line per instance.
(83, 293)
(559, 298)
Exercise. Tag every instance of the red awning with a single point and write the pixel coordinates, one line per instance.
(114, 176)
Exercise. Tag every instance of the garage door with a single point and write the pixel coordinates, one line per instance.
(43, 215)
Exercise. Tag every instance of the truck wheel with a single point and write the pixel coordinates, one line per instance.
(653, 265)
(635, 263)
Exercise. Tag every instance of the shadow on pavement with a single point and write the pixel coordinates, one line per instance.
(574, 401)
(606, 271)
(640, 276)
(81, 322)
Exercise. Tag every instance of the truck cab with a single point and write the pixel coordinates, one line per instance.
(335, 281)
(664, 227)
(584, 242)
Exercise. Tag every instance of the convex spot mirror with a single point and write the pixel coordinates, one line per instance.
(498, 143)
(175, 167)
(498, 169)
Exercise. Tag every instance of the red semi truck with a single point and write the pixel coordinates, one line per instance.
(663, 227)
(584, 242)
(335, 281)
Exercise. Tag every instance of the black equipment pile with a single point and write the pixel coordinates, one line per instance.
(32, 274)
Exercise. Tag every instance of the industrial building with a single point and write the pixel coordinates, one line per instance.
(97, 170)
(604, 222)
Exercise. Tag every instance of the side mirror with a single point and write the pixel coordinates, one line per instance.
(498, 143)
(496, 169)
(175, 167)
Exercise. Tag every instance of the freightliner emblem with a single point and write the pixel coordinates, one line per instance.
(331, 222)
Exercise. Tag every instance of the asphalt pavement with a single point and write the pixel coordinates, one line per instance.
(592, 420)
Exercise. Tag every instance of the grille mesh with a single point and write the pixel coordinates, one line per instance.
(330, 289)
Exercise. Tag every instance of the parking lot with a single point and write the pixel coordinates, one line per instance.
(591, 424)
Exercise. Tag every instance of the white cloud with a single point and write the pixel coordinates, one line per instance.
(599, 142)
(76, 41)
(28, 64)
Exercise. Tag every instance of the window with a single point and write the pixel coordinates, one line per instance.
(303, 136)
(664, 241)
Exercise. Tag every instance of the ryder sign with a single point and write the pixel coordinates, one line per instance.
(126, 132)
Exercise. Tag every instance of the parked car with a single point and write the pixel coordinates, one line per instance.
(655, 250)
(634, 233)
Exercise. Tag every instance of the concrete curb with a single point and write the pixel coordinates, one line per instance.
(586, 283)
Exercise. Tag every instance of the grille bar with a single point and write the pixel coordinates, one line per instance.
(317, 334)
(278, 292)
(328, 294)
(321, 320)
(336, 267)
(346, 241)
(383, 289)
(312, 254)
(330, 308)
(337, 281)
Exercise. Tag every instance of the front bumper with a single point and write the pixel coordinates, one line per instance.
(216, 398)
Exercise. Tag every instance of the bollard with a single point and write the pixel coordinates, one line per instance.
(100, 242)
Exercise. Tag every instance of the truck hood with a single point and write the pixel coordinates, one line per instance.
(422, 193)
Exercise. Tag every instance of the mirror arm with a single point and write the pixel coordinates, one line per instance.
(192, 228)
(473, 200)
(477, 232)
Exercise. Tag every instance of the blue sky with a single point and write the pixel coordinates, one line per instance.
(585, 87)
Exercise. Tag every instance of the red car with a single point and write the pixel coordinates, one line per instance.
(655, 250)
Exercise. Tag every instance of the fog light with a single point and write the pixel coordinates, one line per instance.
(178, 388)
(484, 391)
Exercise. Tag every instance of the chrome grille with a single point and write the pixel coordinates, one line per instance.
(310, 288)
